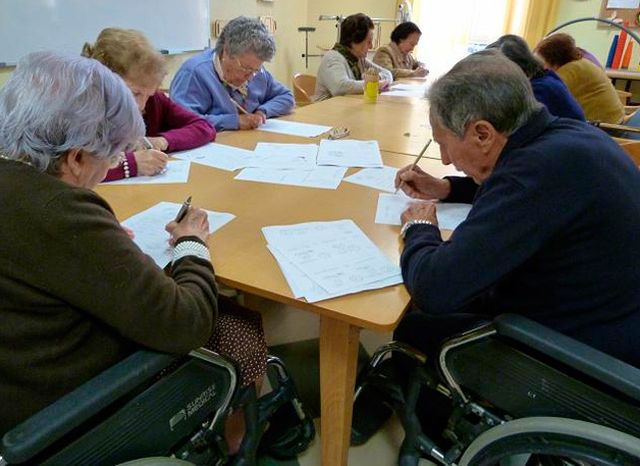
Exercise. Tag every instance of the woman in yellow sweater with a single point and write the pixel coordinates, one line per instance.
(587, 82)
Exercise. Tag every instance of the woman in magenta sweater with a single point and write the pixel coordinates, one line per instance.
(169, 127)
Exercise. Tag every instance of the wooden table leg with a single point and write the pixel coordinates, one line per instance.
(338, 362)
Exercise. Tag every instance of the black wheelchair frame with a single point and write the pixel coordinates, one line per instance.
(521, 394)
(152, 405)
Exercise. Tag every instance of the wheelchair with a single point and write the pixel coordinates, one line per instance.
(165, 408)
(522, 395)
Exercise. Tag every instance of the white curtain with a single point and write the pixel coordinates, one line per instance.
(451, 29)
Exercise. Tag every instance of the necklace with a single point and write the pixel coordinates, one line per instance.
(19, 160)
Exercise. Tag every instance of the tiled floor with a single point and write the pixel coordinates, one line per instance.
(381, 450)
(284, 326)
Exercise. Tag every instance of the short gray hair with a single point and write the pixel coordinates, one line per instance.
(243, 34)
(483, 86)
(54, 103)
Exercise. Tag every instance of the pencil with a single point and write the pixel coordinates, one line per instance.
(415, 162)
(239, 107)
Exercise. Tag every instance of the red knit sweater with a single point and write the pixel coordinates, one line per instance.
(180, 127)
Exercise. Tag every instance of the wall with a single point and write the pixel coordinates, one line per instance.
(289, 42)
(325, 35)
(289, 14)
(588, 35)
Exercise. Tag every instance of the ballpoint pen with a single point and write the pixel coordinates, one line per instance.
(146, 143)
(415, 162)
(183, 210)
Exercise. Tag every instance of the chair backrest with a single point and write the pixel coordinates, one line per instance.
(304, 86)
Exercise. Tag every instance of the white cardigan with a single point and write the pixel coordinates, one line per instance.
(336, 78)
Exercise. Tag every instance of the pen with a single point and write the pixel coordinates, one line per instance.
(239, 107)
(183, 210)
(146, 143)
(415, 162)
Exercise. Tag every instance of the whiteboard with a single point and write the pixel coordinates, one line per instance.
(26, 26)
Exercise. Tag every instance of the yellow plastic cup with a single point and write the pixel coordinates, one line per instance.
(371, 90)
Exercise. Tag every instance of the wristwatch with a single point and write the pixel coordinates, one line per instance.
(416, 221)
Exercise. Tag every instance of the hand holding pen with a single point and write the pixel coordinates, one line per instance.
(418, 184)
(150, 161)
(399, 179)
(248, 120)
(183, 210)
(189, 221)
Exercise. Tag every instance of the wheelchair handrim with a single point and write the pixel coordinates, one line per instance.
(560, 432)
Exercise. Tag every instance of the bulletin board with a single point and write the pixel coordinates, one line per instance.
(626, 10)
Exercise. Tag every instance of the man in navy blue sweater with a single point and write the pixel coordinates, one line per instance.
(553, 234)
(555, 226)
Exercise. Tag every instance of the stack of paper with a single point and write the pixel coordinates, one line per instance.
(150, 235)
(309, 166)
(322, 260)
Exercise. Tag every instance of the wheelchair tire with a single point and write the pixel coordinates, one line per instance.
(592, 444)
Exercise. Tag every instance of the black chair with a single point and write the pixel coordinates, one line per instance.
(522, 394)
(152, 405)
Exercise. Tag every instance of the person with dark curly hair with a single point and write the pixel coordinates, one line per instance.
(396, 56)
(342, 68)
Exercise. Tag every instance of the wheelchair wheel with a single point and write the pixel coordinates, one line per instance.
(548, 441)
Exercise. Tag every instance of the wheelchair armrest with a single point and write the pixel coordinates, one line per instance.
(56, 420)
(587, 360)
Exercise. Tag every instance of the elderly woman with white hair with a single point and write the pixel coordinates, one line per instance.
(77, 294)
(228, 85)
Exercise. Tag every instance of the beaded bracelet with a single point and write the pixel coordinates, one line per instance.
(190, 248)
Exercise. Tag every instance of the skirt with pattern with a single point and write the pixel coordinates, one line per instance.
(238, 335)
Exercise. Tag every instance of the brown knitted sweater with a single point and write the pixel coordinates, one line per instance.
(77, 295)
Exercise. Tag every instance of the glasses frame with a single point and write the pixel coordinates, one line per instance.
(245, 69)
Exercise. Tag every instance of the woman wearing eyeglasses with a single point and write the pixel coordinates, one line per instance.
(228, 85)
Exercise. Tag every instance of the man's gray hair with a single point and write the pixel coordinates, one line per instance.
(54, 103)
(483, 86)
(243, 34)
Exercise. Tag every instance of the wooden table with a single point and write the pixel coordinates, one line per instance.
(242, 261)
(399, 125)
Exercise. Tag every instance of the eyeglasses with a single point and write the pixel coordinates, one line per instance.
(243, 68)
(247, 69)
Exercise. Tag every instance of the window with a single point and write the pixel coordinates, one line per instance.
(453, 29)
